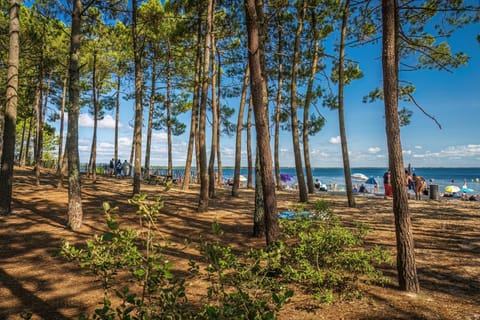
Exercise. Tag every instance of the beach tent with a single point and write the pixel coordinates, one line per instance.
(371, 181)
(286, 178)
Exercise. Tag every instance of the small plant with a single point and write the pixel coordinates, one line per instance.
(324, 257)
(238, 288)
(136, 255)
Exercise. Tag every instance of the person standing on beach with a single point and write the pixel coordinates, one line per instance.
(125, 168)
(409, 181)
(111, 167)
(387, 185)
(118, 168)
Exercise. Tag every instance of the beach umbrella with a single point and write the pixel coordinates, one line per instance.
(452, 189)
(285, 177)
(242, 178)
(359, 177)
(371, 180)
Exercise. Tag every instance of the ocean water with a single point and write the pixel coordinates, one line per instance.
(334, 177)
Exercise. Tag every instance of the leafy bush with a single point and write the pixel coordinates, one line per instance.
(324, 257)
(134, 255)
(138, 283)
(318, 254)
(237, 288)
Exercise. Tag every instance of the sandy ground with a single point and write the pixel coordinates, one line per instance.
(33, 279)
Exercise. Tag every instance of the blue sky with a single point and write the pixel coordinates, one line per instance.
(452, 98)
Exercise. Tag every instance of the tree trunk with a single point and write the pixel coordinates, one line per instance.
(137, 175)
(37, 108)
(302, 189)
(59, 172)
(23, 150)
(278, 108)
(258, 86)
(259, 214)
(238, 140)
(306, 111)
(219, 122)
(9, 130)
(169, 120)
(117, 121)
(132, 153)
(92, 165)
(194, 120)
(406, 266)
(150, 117)
(2, 127)
(249, 143)
(341, 112)
(27, 147)
(22, 141)
(213, 146)
(203, 199)
(75, 212)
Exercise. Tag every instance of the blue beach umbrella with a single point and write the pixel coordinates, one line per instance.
(371, 180)
(466, 190)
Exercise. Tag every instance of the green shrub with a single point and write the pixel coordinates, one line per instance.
(237, 288)
(324, 257)
(150, 291)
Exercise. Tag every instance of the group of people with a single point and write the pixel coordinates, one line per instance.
(118, 168)
(412, 182)
(363, 188)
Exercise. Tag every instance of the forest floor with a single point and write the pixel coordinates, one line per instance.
(33, 279)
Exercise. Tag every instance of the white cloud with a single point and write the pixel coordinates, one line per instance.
(461, 151)
(85, 120)
(162, 136)
(407, 152)
(374, 149)
(335, 140)
(418, 147)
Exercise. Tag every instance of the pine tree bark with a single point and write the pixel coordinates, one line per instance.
(219, 121)
(259, 214)
(203, 198)
(117, 120)
(9, 130)
(213, 144)
(406, 266)
(93, 152)
(278, 108)
(249, 143)
(59, 172)
(169, 117)
(75, 211)
(238, 139)
(194, 119)
(341, 109)
(150, 116)
(306, 110)
(37, 110)
(302, 188)
(137, 52)
(258, 87)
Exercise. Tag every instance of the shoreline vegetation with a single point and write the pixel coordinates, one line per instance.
(35, 280)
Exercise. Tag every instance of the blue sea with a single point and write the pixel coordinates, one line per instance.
(334, 177)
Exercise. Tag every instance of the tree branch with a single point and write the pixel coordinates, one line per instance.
(424, 112)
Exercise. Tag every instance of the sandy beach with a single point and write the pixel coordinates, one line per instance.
(33, 279)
